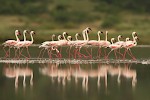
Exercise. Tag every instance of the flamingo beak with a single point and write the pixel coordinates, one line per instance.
(135, 34)
(138, 39)
(79, 35)
(90, 28)
(19, 33)
(87, 31)
(27, 32)
(102, 32)
(66, 33)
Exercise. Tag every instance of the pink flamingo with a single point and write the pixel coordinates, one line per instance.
(11, 43)
(128, 45)
(114, 47)
(105, 43)
(45, 46)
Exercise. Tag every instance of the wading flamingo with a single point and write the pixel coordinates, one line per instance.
(11, 43)
(114, 48)
(128, 46)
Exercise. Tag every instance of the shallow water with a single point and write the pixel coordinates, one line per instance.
(76, 81)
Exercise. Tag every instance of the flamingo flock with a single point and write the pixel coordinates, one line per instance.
(74, 48)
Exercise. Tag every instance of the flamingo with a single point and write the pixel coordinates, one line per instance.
(114, 47)
(45, 45)
(128, 46)
(11, 43)
(105, 43)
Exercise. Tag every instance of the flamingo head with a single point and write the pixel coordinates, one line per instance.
(32, 32)
(134, 33)
(78, 34)
(65, 33)
(69, 37)
(17, 32)
(100, 32)
(120, 36)
(25, 31)
(88, 28)
(137, 38)
(54, 35)
(113, 40)
(127, 39)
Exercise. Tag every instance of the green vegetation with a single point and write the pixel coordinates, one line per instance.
(48, 17)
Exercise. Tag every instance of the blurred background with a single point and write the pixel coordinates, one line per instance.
(47, 17)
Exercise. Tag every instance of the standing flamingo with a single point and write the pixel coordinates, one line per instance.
(105, 43)
(11, 43)
(114, 47)
(128, 45)
(45, 46)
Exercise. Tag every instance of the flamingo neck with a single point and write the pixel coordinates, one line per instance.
(59, 38)
(112, 41)
(87, 36)
(76, 36)
(133, 37)
(118, 38)
(52, 37)
(64, 37)
(24, 36)
(68, 38)
(98, 34)
(31, 38)
(134, 40)
(106, 36)
(83, 33)
(17, 37)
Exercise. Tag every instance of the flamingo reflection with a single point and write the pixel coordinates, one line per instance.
(16, 72)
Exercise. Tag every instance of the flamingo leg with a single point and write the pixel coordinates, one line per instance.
(119, 53)
(20, 54)
(28, 52)
(40, 52)
(43, 53)
(115, 54)
(6, 53)
(124, 55)
(108, 54)
(105, 56)
(98, 53)
(67, 51)
(9, 52)
(49, 53)
(130, 54)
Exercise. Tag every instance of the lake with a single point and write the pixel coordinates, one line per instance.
(80, 79)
